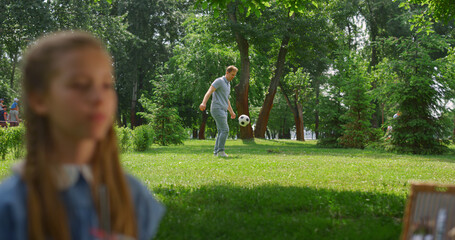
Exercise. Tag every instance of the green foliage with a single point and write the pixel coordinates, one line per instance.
(4, 143)
(142, 137)
(255, 6)
(281, 120)
(330, 111)
(197, 62)
(357, 128)
(420, 94)
(124, 138)
(163, 118)
(441, 9)
(12, 141)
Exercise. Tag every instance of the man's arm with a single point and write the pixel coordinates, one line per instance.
(206, 98)
(231, 111)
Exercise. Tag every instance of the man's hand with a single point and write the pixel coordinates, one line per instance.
(202, 107)
(232, 115)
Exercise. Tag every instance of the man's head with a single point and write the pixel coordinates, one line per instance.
(1, 100)
(231, 71)
(16, 99)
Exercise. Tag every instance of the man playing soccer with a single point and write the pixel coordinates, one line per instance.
(220, 89)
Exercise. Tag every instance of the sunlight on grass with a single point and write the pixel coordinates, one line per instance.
(281, 189)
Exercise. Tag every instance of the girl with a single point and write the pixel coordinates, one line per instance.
(71, 184)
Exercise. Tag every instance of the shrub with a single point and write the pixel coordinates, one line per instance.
(124, 138)
(163, 118)
(12, 139)
(142, 137)
(16, 140)
(4, 144)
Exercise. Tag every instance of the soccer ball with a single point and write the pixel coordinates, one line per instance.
(244, 120)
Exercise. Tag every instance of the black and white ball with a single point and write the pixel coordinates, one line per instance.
(244, 120)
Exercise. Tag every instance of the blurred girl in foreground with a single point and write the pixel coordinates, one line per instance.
(71, 184)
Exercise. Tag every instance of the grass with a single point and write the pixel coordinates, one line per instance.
(281, 189)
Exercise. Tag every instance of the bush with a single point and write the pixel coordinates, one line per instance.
(142, 137)
(124, 138)
(4, 143)
(163, 118)
(12, 140)
(16, 140)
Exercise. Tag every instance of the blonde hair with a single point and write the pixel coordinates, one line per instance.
(47, 217)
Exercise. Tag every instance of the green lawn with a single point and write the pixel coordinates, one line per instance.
(281, 189)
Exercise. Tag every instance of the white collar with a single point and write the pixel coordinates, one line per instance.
(67, 176)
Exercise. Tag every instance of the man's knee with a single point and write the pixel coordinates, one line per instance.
(225, 130)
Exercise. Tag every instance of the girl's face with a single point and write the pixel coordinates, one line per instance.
(81, 102)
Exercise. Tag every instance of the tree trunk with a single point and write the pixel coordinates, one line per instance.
(194, 133)
(316, 112)
(299, 127)
(203, 124)
(125, 122)
(297, 111)
(118, 119)
(241, 89)
(373, 62)
(140, 85)
(13, 71)
(263, 118)
(133, 104)
(453, 135)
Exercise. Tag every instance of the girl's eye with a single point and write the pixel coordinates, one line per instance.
(78, 85)
(108, 85)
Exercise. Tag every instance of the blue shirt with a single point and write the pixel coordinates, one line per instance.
(14, 105)
(82, 216)
(220, 98)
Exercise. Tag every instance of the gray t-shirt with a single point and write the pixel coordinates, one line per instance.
(220, 97)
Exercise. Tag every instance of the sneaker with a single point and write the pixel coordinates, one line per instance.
(222, 154)
(215, 154)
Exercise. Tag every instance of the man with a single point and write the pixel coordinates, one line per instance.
(1, 103)
(14, 113)
(3, 117)
(220, 89)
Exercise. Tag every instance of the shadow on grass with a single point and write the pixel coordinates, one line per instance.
(249, 141)
(274, 147)
(278, 212)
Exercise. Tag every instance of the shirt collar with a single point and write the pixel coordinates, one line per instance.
(67, 176)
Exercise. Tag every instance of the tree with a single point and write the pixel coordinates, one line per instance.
(156, 25)
(295, 88)
(21, 22)
(357, 128)
(197, 61)
(238, 14)
(281, 120)
(163, 118)
(441, 9)
(419, 94)
(331, 109)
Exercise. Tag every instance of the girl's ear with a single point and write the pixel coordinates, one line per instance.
(38, 103)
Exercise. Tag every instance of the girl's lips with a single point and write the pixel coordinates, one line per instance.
(98, 117)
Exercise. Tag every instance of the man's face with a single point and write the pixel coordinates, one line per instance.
(230, 75)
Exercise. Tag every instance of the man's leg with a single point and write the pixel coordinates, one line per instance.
(217, 141)
(222, 126)
(215, 114)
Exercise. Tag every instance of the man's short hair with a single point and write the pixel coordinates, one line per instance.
(231, 68)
